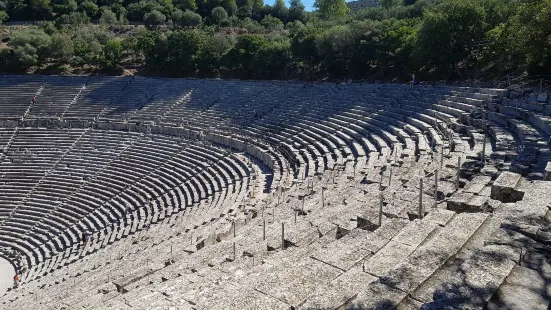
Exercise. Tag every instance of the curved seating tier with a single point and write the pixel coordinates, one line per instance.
(263, 195)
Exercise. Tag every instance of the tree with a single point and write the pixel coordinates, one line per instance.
(208, 59)
(272, 23)
(137, 10)
(90, 8)
(387, 4)
(229, 5)
(218, 14)
(529, 33)
(280, 10)
(294, 27)
(62, 7)
(75, 19)
(244, 3)
(40, 9)
(185, 5)
(187, 18)
(449, 34)
(111, 54)
(154, 18)
(30, 46)
(296, 11)
(184, 47)
(108, 18)
(331, 9)
(61, 47)
(3, 17)
(243, 12)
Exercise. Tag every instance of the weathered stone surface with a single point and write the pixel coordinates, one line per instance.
(548, 172)
(357, 245)
(477, 184)
(294, 282)
(421, 264)
(523, 289)
(377, 296)
(466, 284)
(505, 187)
(467, 202)
(337, 292)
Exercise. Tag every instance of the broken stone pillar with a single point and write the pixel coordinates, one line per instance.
(505, 188)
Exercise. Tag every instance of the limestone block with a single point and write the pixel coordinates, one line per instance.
(458, 202)
(548, 172)
(505, 187)
(477, 184)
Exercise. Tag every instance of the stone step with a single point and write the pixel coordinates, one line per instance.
(337, 292)
(358, 244)
(405, 277)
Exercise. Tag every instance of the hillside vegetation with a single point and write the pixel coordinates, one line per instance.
(247, 39)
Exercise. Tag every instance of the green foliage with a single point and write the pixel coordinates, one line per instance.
(294, 27)
(185, 5)
(62, 47)
(280, 10)
(90, 8)
(39, 9)
(296, 11)
(531, 30)
(3, 17)
(30, 47)
(108, 17)
(62, 7)
(154, 18)
(186, 19)
(331, 9)
(449, 34)
(111, 54)
(387, 4)
(73, 19)
(245, 38)
(272, 23)
(218, 14)
(184, 48)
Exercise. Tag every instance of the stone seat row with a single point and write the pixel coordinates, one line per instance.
(195, 193)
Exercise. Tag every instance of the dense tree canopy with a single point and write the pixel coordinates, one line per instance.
(248, 39)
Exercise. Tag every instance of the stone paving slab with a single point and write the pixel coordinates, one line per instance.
(477, 184)
(466, 284)
(524, 288)
(339, 291)
(421, 264)
(294, 282)
(357, 245)
(377, 296)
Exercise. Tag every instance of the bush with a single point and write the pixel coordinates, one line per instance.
(62, 47)
(154, 18)
(3, 17)
(74, 19)
(218, 14)
(111, 54)
(108, 18)
(186, 18)
(30, 46)
(90, 8)
(272, 23)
